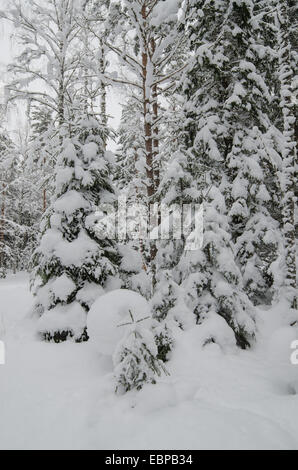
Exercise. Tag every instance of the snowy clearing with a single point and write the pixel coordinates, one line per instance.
(60, 396)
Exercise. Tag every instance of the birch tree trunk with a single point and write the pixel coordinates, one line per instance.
(103, 94)
(148, 119)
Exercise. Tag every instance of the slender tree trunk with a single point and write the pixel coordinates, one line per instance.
(289, 151)
(155, 129)
(44, 200)
(61, 102)
(44, 194)
(147, 116)
(2, 226)
(148, 135)
(103, 98)
(139, 201)
(61, 111)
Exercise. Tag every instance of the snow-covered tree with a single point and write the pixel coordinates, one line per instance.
(148, 58)
(100, 21)
(20, 212)
(198, 172)
(43, 149)
(73, 259)
(130, 153)
(48, 36)
(130, 181)
(288, 105)
(211, 278)
(135, 359)
(230, 129)
(7, 175)
(28, 208)
(169, 310)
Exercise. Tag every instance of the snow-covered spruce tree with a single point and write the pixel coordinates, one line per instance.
(252, 160)
(136, 359)
(130, 181)
(232, 127)
(288, 106)
(170, 311)
(179, 187)
(210, 278)
(73, 263)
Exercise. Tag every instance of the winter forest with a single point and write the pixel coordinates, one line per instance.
(148, 224)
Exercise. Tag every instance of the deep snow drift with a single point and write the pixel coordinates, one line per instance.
(61, 396)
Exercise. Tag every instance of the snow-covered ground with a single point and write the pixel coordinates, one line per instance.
(61, 396)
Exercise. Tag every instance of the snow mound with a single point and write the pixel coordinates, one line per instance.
(109, 312)
(277, 329)
(215, 329)
(213, 333)
(279, 344)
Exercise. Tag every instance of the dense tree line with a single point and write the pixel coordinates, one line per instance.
(209, 117)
